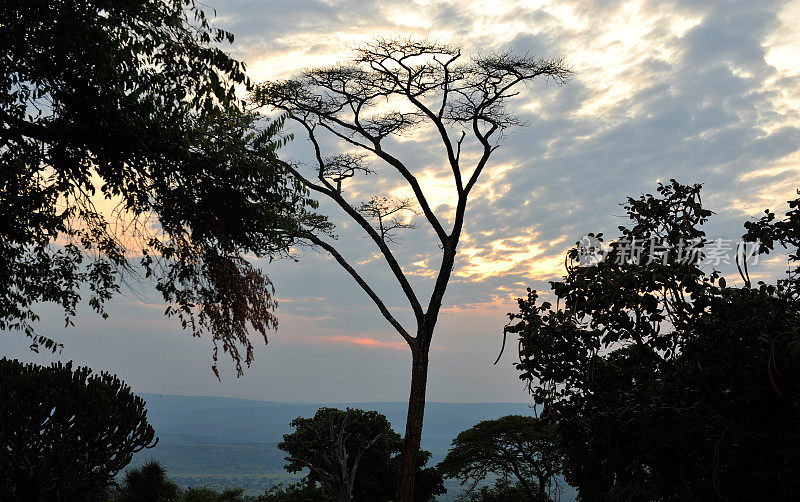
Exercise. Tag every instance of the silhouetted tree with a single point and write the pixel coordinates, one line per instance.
(304, 491)
(352, 454)
(502, 491)
(769, 233)
(148, 483)
(428, 481)
(121, 136)
(65, 433)
(666, 383)
(515, 446)
(208, 494)
(424, 84)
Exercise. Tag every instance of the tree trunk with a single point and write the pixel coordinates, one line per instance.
(416, 412)
(542, 488)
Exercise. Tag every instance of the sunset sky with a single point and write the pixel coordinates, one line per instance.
(699, 91)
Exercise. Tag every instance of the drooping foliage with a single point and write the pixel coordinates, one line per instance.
(665, 382)
(522, 448)
(121, 136)
(353, 455)
(65, 433)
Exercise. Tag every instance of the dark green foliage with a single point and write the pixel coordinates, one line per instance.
(428, 481)
(515, 446)
(303, 491)
(122, 136)
(502, 491)
(148, 483)
(666, 383)
(770, 233)
(65, 434)
(313, 445)
(206, 494)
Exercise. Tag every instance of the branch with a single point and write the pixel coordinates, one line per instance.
(384, 211)
(19, 127)
(412, 181)
(487, 150)
(283, 96)
(337, 197)
(305, 181)
(360, 453)
(436, 118)
(392, 161)
(381, 306)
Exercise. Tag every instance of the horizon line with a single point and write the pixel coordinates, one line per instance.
(326, 402)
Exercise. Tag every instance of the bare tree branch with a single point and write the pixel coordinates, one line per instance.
(384, 212)
(343, 100)
(367, 289)
(380, 240)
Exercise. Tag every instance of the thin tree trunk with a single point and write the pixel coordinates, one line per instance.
(416, 412)
(543, 488)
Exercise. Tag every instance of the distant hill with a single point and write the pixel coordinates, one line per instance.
(220, 441)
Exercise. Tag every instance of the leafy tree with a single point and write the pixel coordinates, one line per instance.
(769, 233)
(352, 454)
(121, 135)
(428, 481)
(304, 491)
(515, 446)
(666, 383)
(426, 84)
(148, 483)
(502, 491)
(65, 433)
(208, 494)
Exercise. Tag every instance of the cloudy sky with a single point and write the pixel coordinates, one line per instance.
(700, 91)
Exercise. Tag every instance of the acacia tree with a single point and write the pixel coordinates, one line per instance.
(324, 446)
(525, 448)
(426, 84)
(352, 454)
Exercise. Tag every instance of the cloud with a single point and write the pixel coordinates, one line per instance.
(369, 343)
(684, 90)
(699, 91)
(688, 90)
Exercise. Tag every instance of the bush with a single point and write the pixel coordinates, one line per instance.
(148, 483)
(208, 494)
(65, 433)
(502, 491)
(303, 491)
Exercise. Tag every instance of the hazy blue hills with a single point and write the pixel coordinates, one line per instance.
(220, 441)
(198, 419)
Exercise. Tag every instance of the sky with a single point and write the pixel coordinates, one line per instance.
(699, 91)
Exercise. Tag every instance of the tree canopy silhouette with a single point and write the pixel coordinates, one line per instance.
(353, 455)
(148, 482)
(390, 89)
(666, 382)
(121, 136)
(65, 433)
(519, 447)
